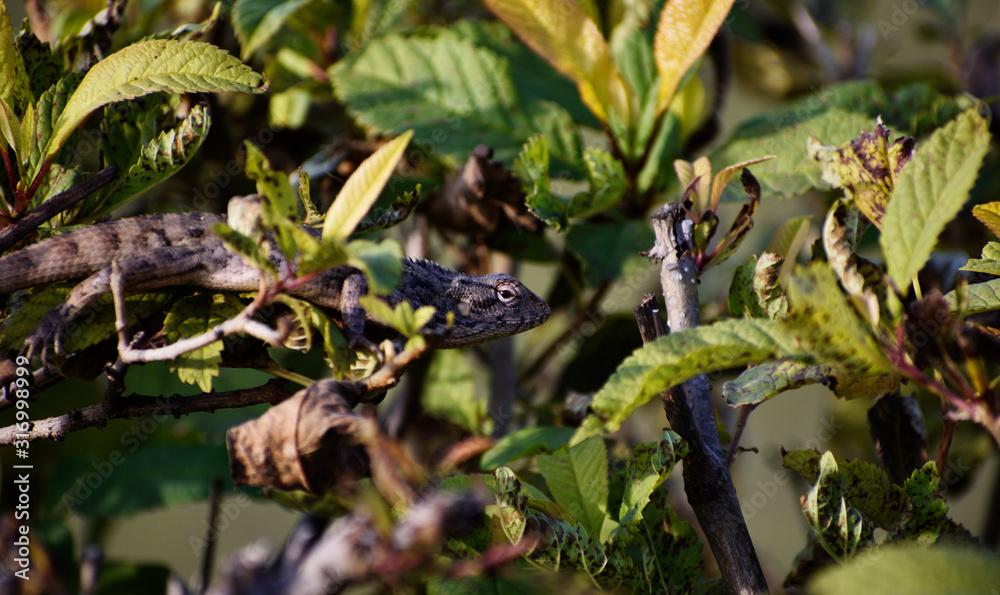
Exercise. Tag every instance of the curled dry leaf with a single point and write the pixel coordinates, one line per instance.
(485, 197)
(305, 443)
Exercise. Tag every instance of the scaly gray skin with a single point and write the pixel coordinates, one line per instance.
(157, 251)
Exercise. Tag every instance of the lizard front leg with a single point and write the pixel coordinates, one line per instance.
(166, 267)
(355, 287)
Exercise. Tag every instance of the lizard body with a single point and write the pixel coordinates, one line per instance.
(157, 251)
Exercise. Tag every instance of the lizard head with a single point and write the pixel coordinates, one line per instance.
(489, 307)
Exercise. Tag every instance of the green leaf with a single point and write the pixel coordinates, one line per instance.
(610, 250)
(925, 520)
(866, 168)
(48, 109)
(279, 208)
(532, 167)
(42, 65)
(841, 529)
(670, 360)
(148, 67)
(15, 89)
(339, 356)
(10, 129)
(450, 394)
(912, 568)
(534, 79)
(127, 127)
(511, 504)
(756, 289)
(26, 309)
(685, 29)
(787, 241)
(980, 297)
(402, 318)
(869, 489)
(158, 160)
(362, 189)
(136, 477)
(929, 193)
(835, 114)
(194, 315)
(523, 443)
(271, 184)
(572, 43)
(454, 96)
(384, 217)
(766, 380)
(577, 478)
(828, 327)
(989, 263)
(256, 21)
(607, 184)
(290, 108)
(647, 468)
(674, 557)
(247, 247)
(382, 263)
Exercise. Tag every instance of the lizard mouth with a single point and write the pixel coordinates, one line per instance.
(467, 333)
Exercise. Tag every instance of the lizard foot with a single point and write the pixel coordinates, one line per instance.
(46, 342)
(363, 344)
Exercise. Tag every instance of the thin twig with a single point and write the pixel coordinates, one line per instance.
(98, 415)
(241, 323)
(947, 431)
(50, 208)
(553, 347)
(741, 424)
(211, 538)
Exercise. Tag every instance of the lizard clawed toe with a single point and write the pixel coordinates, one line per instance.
(363, 344)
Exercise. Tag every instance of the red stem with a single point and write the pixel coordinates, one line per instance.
(947, 430)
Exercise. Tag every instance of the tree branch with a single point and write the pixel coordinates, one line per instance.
(688, 407)
(53, 206)
(56, 428)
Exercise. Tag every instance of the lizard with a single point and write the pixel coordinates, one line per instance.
(165, 250)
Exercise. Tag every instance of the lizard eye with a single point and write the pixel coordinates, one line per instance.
(509, 293)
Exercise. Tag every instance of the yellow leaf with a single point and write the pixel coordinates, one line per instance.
(686, 28)
(723, 177)
(362, 189)
(989, 215)
(685, 172)
(703, 170)
(562, 33)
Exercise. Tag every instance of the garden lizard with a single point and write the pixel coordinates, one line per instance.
(157, 251)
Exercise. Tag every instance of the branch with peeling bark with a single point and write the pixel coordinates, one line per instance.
(688, 408)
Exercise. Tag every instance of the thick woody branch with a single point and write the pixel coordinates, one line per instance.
(688, 407)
